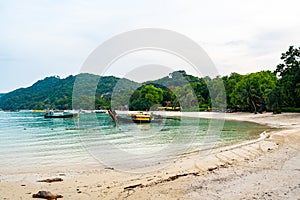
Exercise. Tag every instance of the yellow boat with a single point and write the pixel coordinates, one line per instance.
(39, 111)
(141, 118)
(136, 118)
(169, 108)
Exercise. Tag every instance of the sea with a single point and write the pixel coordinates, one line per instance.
(29, 142)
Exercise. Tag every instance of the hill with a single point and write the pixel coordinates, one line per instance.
(54, 92)
(175, 79)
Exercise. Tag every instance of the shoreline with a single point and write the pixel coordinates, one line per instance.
(176, 179)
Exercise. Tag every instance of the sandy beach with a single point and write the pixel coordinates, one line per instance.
(266, 168)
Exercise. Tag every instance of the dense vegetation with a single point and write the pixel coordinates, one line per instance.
(289, 74)
(55, 93)
(276, 91)
(255, 92)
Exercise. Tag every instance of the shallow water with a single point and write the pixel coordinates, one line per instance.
(30, 142)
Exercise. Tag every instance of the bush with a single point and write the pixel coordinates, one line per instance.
(290, 109)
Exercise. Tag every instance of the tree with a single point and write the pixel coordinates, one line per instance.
(289, 74)
(230, 83)
(186, 97)
(251, 91)
(201, 91)
(217, 93)
(274, 98)
(145, 97)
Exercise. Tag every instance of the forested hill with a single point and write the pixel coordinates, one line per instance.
(54, 92)
(175, 79)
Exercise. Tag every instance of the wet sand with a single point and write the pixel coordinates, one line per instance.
(266, 168)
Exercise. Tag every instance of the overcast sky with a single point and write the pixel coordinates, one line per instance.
(39, 38)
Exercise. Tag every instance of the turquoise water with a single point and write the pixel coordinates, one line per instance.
(30, 142)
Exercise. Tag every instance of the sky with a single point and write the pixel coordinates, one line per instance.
(40, 38)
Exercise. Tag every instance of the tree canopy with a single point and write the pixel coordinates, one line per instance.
(250, 92)
(289, 74)
(146, 97)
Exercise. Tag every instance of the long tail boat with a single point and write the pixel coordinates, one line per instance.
(60, 115)
(135, 118)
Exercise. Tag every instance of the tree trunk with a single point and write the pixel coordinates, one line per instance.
(255, 112)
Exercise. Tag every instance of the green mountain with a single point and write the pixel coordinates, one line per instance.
(175, 79)
(54, 92)
(88, 91)
(94, 92)
(187, 88)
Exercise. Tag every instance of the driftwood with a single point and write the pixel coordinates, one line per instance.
(133, 186)
(46, 195)
(51, 180)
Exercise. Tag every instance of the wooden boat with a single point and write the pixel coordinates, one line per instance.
(135, 118)
(141, 118)
(60, 115)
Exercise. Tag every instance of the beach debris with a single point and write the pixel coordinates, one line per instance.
(172, 178)
(46, 195)
(210, 169)
(110, 168)
(78, 191)
(161, 180)
(51, 180)
(133, 186)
